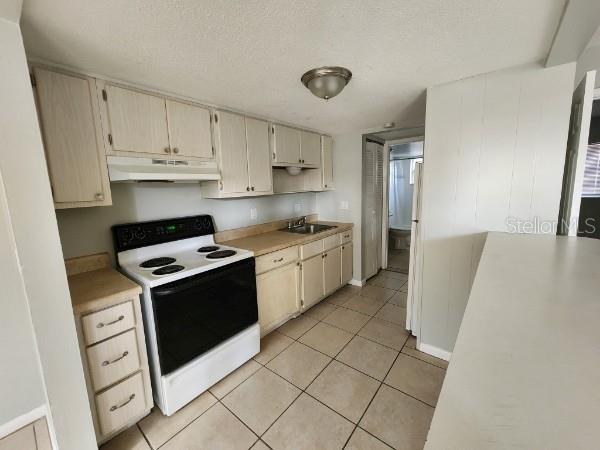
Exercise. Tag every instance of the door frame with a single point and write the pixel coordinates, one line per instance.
(385, 218)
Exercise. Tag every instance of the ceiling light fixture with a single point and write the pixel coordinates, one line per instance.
(326, 82)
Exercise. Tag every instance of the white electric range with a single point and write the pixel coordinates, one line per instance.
(198, 303)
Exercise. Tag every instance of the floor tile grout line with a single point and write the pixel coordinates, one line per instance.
(409, 395)
(423, 361)
(137, 424)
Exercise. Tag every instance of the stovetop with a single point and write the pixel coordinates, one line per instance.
(177, 259)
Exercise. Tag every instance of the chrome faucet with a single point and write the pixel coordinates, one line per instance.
(297, 223)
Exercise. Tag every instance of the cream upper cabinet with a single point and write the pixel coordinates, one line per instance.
(189, 130)
(233, 161)
(327, 162)
(312, 281)
(347, 262)
(278, 296)
(68, 109)
(286, 145)
(310, 148)
(332, 270)
(136, 121)
(259, 156)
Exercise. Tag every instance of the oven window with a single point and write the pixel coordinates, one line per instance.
(198, 313)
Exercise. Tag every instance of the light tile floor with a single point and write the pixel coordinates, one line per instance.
(345, 374)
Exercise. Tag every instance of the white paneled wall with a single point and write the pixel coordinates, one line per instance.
(494, 150)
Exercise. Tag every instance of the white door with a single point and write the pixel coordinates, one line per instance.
(189, 130)
(137, 121)
(581, 114)
(233, 159)
(373, 207)
(259, 156)
(414, 268)
(286, 144)
(310, 148)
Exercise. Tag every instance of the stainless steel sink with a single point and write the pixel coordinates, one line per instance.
(309, 228)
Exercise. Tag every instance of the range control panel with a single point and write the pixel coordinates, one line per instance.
(142, 234)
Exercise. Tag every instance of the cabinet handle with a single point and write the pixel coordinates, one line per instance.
(325, 185)
(102, 324)
(99, 196)
(175, 150)
(112, 361)
(299, 160)
(343, 247)
(278, 260)
(167, 150)
(115, 407)
(247, 188)
(252, 188)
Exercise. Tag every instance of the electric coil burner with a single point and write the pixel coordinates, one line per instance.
(198, 301)
(167, 270)
(208, 249)
(221, 254)
(157, 262)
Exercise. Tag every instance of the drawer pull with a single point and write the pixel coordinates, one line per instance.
(115, 407)
(278, 260)
(102, 324)
(106, 363)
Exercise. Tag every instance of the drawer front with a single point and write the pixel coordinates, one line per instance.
(121, 404)
(108, 322)
(276, 259)
(113, 360)
(346, 236)
(311, 249)
(331, 241)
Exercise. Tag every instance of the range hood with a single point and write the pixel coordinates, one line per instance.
(126, 169)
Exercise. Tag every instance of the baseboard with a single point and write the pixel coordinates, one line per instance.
(23, 420)
(355, 282)
(434, 351)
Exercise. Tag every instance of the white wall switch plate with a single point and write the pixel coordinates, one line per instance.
(344, 204)
(253, 213)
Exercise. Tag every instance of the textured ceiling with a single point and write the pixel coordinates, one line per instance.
(249, 54)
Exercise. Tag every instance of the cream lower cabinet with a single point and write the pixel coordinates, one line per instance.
(312, 281)
(347, 262)
(332, 270)
(278, 296)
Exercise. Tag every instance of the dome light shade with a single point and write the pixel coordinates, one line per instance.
(326, 82)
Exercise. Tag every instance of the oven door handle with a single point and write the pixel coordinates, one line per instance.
(161, 292)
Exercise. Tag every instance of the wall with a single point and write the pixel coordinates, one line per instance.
(87, 230)
(589, 60)
(494, 148)
(347, 176)
(37, 246)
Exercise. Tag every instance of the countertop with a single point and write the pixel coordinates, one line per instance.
(525, 371)
(272, 241)
(100, 288)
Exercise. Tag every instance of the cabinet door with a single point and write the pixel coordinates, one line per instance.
(347, 262)
(189, 130)
(312, 281)
(259, 156)
(310, 148)
(332, 270)
(137, 122)
(327, 161)
(278, 296)
(70, 126)
(286, 144)
(233, 162)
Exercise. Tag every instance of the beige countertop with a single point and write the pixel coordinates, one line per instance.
(97, 285)
(525, 370)
(272, 241)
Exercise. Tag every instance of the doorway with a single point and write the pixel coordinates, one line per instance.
(403, 176)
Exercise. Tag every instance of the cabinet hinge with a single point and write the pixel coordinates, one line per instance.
(220, 185)
(272, 130)
(110, 140)
(104, 95)
(213, 150)
(33, 81)
(216, 119)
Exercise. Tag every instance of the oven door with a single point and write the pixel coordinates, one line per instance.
(195, 314)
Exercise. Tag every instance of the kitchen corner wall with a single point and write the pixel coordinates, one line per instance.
(347, 180)
(84, 231)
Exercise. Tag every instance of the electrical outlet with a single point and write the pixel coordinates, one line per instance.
(298, 207)
(344, 204)
(253, 214)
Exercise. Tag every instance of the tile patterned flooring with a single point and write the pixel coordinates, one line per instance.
(343, 375)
